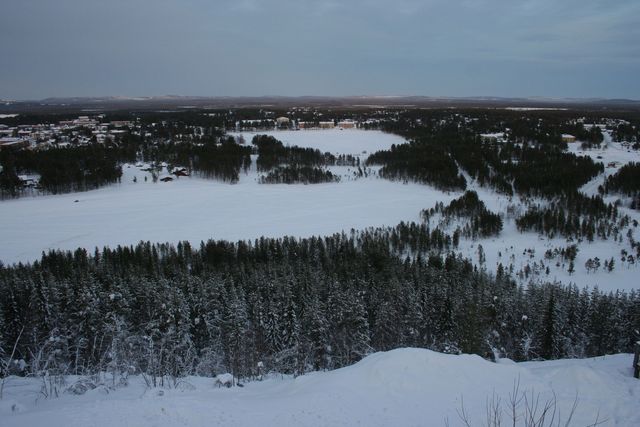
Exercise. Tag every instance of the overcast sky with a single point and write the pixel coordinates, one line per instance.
(556, 48)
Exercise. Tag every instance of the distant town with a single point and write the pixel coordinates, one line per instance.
(85, 130)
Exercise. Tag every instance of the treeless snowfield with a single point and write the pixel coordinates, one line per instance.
(403, 387)
(196, 209)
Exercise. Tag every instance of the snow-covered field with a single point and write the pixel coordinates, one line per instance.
(404, 387)
(195, 209)
(336, 141)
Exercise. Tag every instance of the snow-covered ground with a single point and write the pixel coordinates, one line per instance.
(403, 387)
(195, 209)
(336, 141)
(612, 154)
(519, 250)
(515, 249)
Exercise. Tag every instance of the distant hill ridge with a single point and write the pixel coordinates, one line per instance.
(212, 102)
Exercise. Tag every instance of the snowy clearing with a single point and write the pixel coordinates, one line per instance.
(194, 209)
(403, 387)
(197, 209)
(336, 141)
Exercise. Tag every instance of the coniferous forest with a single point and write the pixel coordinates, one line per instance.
(424, 162)
(528, 164)
(625, 181)
(294, 304)
(298, 174)
(63, 170)
(291, 165)
(481, 222)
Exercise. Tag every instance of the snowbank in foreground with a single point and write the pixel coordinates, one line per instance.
(404, 387)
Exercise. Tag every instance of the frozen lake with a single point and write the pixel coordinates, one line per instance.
(196, 209)
(336, 141)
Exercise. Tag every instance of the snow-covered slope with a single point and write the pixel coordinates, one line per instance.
(404, 387)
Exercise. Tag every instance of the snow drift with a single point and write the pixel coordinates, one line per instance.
(403, 387)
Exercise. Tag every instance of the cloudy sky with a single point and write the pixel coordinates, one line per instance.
(556, 48)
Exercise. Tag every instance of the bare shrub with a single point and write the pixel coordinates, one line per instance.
(523, 409)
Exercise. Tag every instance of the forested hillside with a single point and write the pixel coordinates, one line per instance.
(294, 304)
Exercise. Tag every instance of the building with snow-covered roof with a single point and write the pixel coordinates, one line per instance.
(326, 125)
(346, 124)
(121, 123)
(84, 121)
(492, 137)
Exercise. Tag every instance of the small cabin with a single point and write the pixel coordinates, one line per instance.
(180, 172)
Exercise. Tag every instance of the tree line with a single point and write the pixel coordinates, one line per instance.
(62, 170)
(273, 153)
(290, 165)
(530, 163)
(298, 174)
(625, 181)
(211, 158)
(293, 304)
(574, 216)
(425, 161)
(481, 221)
